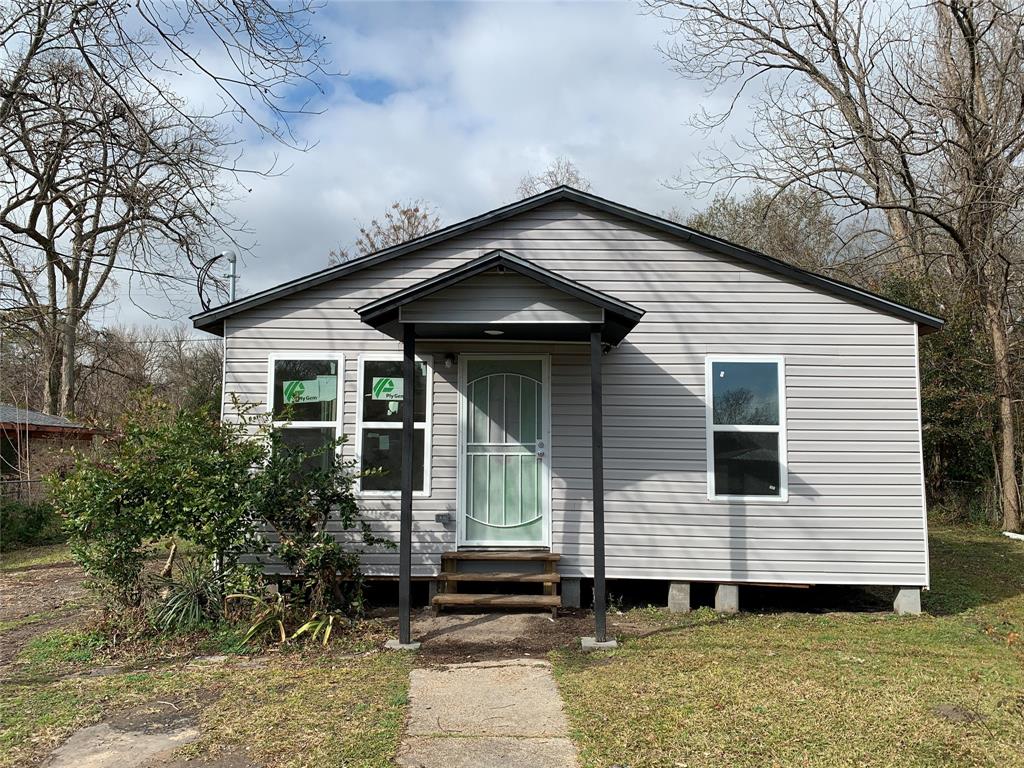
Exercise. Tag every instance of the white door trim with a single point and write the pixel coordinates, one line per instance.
(545, 494)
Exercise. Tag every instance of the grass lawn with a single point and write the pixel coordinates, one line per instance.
(344, 706)
(758, 689)
(19, 559)
(60, 554)
(864, 689)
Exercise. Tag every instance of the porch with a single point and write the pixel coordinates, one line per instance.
(504, 415)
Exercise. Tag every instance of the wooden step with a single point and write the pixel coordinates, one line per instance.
(462, 599)
(531, 578)
(502, 554)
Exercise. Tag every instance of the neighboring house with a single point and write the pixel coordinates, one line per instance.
(759, 424)
(33, 444)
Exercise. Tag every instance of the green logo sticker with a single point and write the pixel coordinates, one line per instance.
(320, 389)
(387, 388)
(293, 390)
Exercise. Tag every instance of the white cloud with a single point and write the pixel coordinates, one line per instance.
(471, 97)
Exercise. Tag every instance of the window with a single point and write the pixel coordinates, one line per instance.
(304, 393)
(746, 428)
(382, 396)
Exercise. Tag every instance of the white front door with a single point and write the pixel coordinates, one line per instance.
(504, 460)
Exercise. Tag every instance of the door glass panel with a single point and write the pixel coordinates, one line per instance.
(478, 401)
(513, 408)
(495, 490)
(512, 484)
(504, 480)
(530, 421)
(496, 409)
(531, 472)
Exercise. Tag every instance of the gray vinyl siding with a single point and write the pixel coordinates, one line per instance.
(855, 513)
(493, 297)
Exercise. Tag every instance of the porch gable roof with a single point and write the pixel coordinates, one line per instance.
(619, 317)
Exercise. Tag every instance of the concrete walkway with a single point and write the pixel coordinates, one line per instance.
(489, 714)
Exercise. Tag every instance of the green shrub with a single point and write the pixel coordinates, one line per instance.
(28, 525)
(299, 503)
(180, 474)
(168, 474)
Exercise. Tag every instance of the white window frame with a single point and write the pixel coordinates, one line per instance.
(711, 427)
(426, 426)
(307, 355)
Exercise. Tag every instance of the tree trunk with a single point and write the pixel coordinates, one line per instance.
(51, 371)
(1009, 493)
(168, 568)
(69, 339)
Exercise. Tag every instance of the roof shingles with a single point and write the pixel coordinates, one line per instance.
(12, 414)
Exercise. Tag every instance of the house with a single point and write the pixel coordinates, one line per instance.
(32, 444)
(607, 393)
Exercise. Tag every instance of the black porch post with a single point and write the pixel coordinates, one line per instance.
(405, 520)
(597, 473)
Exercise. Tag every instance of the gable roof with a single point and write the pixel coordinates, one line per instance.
(621, 316)
(13, 417)
(213, 320)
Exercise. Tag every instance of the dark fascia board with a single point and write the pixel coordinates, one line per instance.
(380, 309)
(76, 430)
(212, 320)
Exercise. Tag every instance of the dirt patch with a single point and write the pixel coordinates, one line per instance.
(454, 638)
(38, 590)
(37, 601)
(229, 760)
(156, 716)
(955, 714)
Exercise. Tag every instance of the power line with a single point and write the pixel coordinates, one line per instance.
(165, 341)
(150, 272)
(153, 273)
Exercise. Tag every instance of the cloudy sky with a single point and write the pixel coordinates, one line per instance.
(452, 104)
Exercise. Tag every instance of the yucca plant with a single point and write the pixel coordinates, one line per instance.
(319, 626)
(189, 597)
(269, 616)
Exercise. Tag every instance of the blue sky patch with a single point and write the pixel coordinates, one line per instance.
(374, 90)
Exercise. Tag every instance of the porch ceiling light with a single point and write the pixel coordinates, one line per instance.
(493, 332)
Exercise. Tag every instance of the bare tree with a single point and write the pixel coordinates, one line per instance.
(253, 53)
(911, 113)
(796, 226)
(105, 171)
(561, 172)
(114, 364)
(400, 223)
(118, 363)
(90, 193)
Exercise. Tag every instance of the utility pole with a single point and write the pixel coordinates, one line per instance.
(233, 274)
